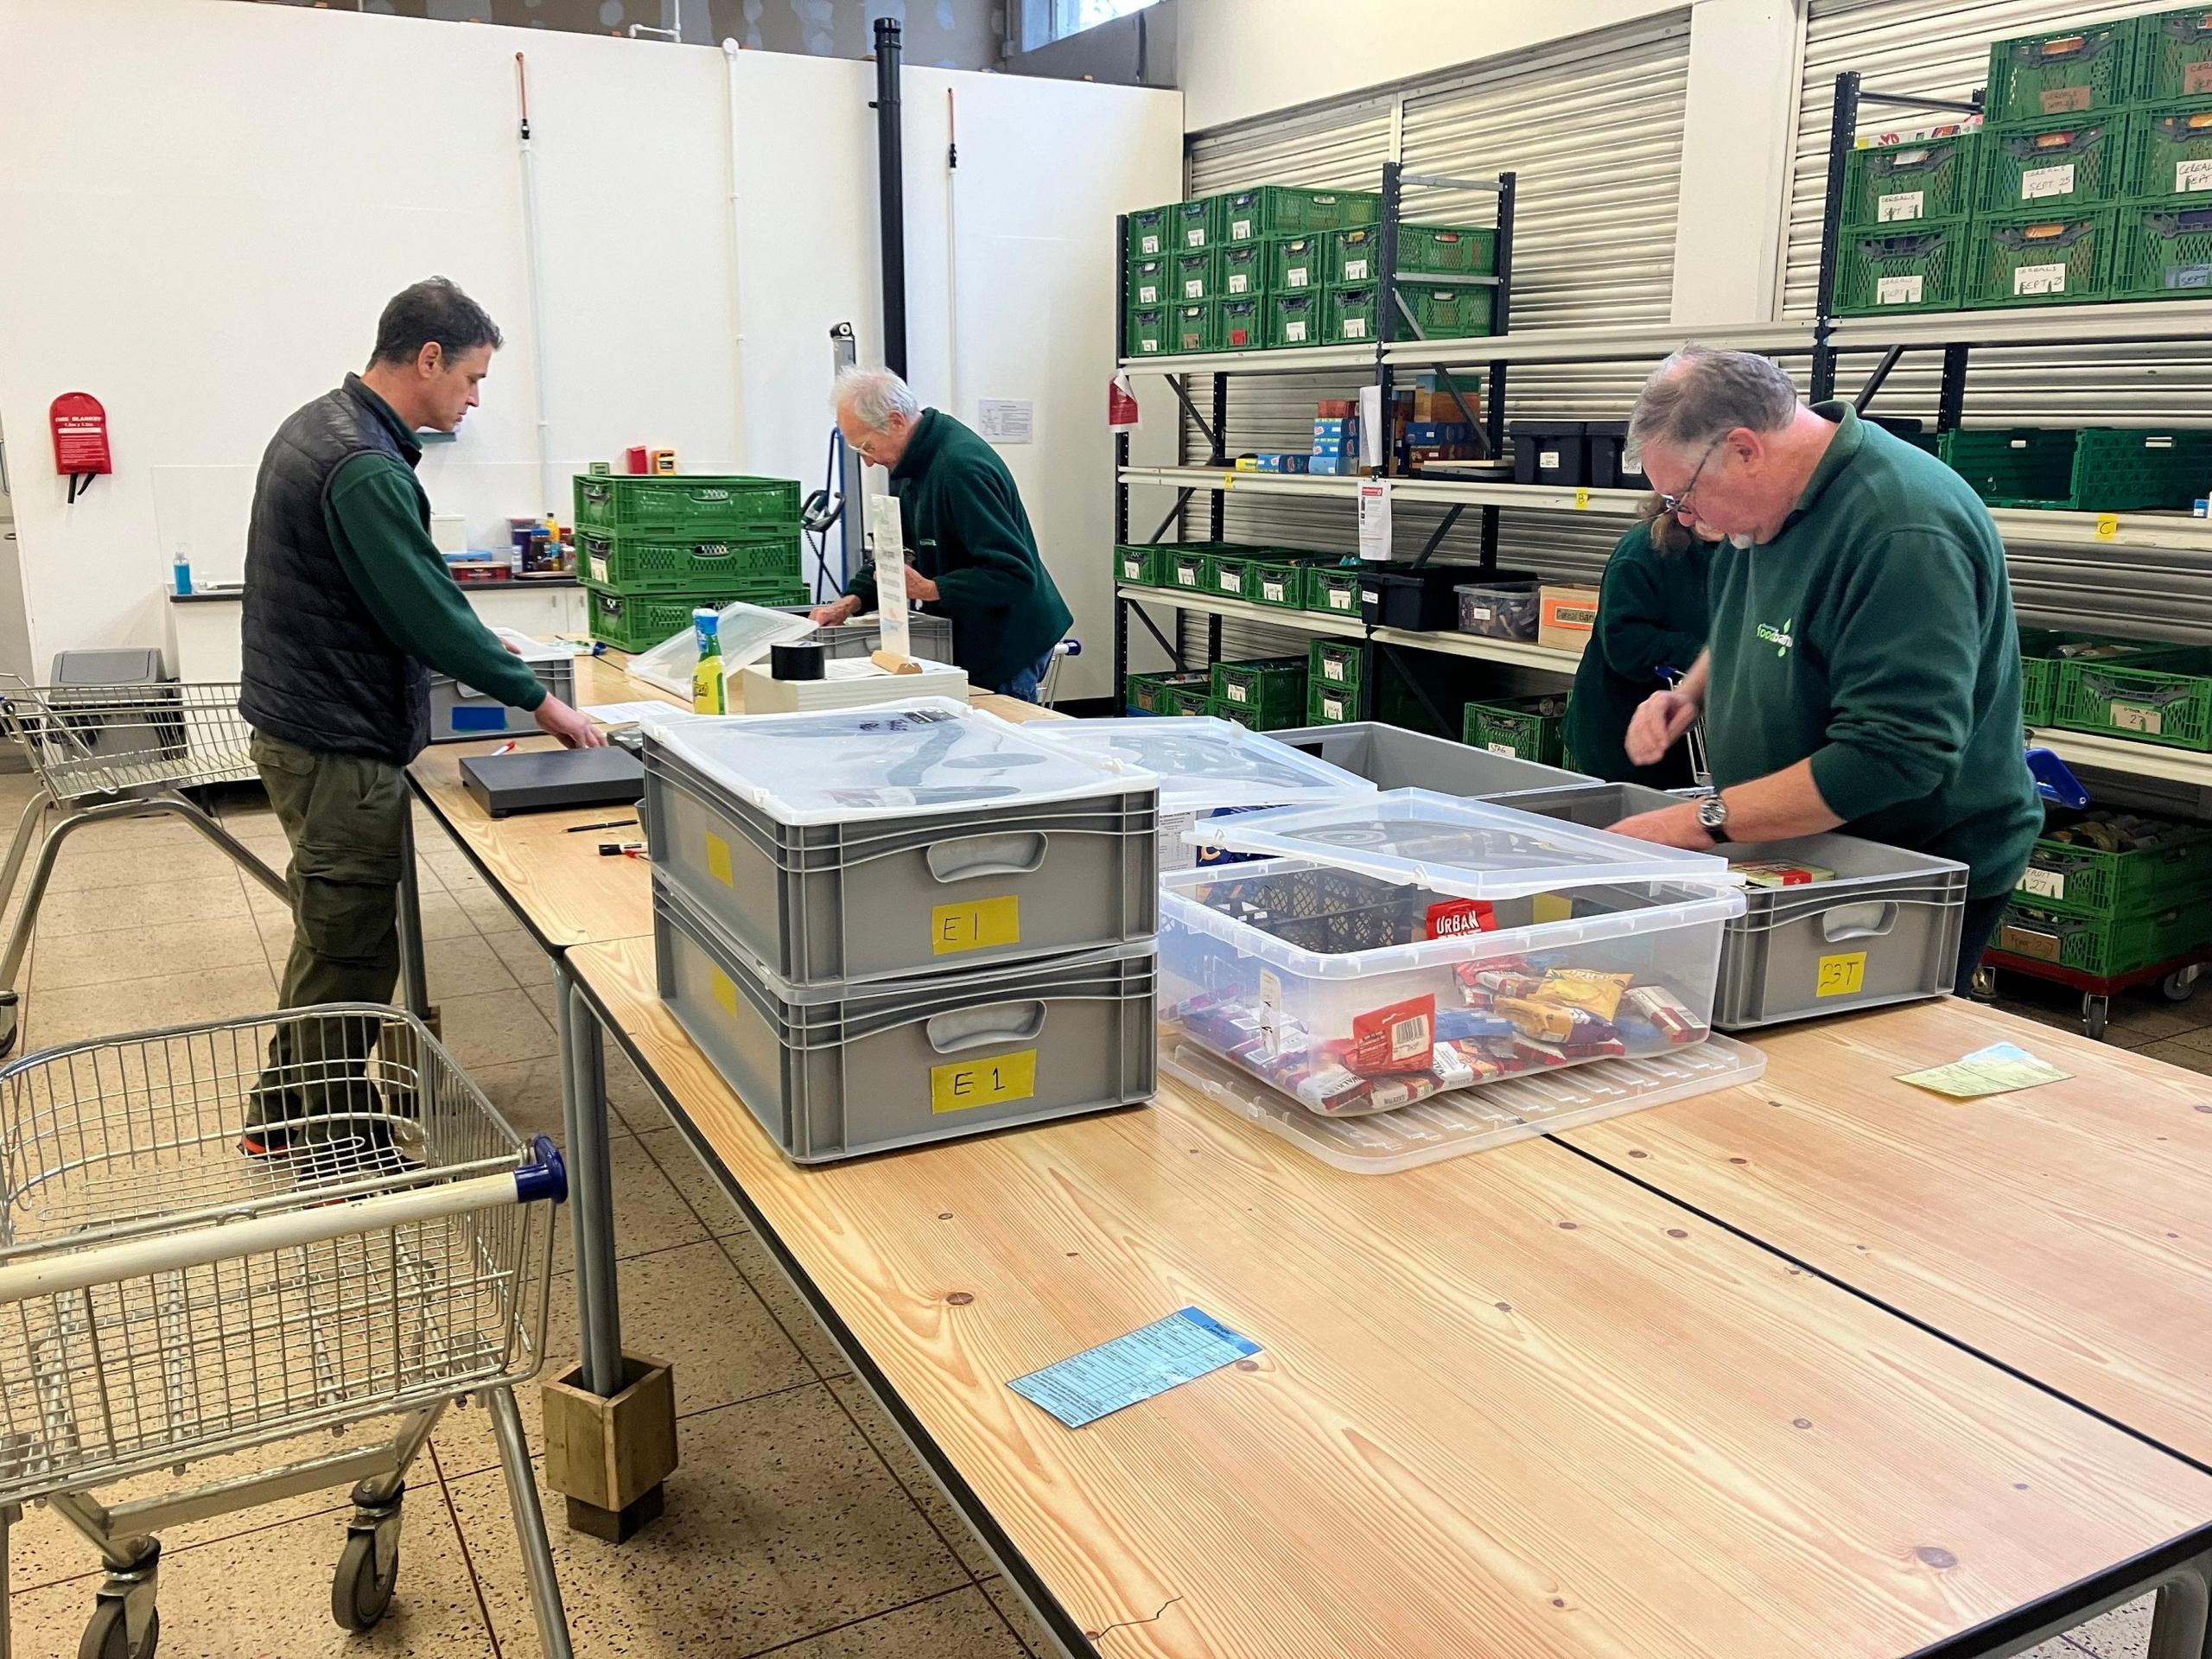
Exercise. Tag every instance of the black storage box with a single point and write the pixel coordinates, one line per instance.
(1426, 601)
(1609, 467)
(1551, 452)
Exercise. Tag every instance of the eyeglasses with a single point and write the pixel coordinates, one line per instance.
(1675, 506)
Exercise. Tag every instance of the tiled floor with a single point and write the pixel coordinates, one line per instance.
(799, 1523)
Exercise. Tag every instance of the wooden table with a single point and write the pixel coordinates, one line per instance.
(2064, 1231)
(1508, 1405)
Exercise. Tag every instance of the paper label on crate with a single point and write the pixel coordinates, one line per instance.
(1148, 294)
(1548, 461)
(1844, 975)
(1239, 282)
(598, 561)
(1240, 230)
(1270, 1012)
(1196, 238)
(1274, 591)
(2190, 176)
(725, 990)
(1503, 748)
(1898, 290)
(1374, 519)
(1294, 332)
(1195, 289)
(2063, 100)
(1149, 245)
(979, 925)
(1236, 693)
(2039, 279)
(1333, 709)
(2196, 77)
(718, 860)
(1133, 570)
(2044, 884)
(2137, 717)
(1458, 917)
(1901, 205)
(2036, 182)
(1232, 581)
(1355, 270)
(1355, 327)
(2031, 942)
(1339, 599)
(966, 1084)
(1332, 668)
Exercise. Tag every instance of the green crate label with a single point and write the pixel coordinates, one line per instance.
(1195, 237)
(2196, 78)
(1355, 270)
(1132, 570)
(1272, 590)
(1296, 275)
(2064, 100)
(1239, 282)
(1332, 668)
(1195, 289)
(2023, 941)
(1149, 293)
(1294, 331)
(1232, 581)
(1333, 709)
(1901, 206)
(1186, 575)
(1355, 327)
(1340, 599)
(1240, 230)
(1501, 748)
(597, 567)
(2044, 884)
(2036, 182)
(2137, 717)
(2030, 280)
(1237, 694)
(2192, 177)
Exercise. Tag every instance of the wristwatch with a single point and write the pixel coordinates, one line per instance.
(1712, 817)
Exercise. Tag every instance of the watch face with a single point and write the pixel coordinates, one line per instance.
(1713, 814)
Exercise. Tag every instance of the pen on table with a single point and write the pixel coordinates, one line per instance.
(612, 823)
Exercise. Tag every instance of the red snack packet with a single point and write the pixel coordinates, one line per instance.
(1393, 1040)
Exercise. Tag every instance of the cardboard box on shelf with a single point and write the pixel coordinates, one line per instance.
(1565, 616)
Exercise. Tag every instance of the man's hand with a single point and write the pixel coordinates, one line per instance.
(838, 610)
(1671, 826)
(1657, 724)
(556, 719)
(920, 586)
(508, 643)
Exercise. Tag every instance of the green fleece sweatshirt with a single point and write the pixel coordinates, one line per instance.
(1651, 615)
(967, 532)
(1875, 635)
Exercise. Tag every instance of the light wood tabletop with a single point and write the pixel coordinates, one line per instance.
(1507, 1407)
(565, 890)
(2064, 1231)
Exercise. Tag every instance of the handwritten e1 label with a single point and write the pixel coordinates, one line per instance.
(970, 1083)
(1841, 976)
(980, 925)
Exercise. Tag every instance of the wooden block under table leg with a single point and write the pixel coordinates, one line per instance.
(608, 1456)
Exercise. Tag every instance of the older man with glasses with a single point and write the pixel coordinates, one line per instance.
(1863, 669)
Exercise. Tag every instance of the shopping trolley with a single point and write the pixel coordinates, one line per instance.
(1700, 784)
(164, 1298)
(116, 752)
(1047, 689)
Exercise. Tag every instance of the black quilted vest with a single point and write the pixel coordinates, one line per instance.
(319, 672)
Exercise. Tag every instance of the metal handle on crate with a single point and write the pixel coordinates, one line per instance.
(951, 1033)
(973, 855)
(1842, 923)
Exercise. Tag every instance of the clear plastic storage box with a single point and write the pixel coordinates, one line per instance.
(1407, 944)
(916, 838)
(1390, 757)
(1206, 768)
(928, 638)
(1499, 610)
(836, 1070)
(459, 712)
(748, 633)
(1879, 925)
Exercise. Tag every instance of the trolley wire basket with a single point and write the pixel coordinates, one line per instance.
(116, 751)
(165, 1298)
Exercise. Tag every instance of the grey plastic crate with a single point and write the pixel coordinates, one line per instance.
(1390, 757)
(929, 638)
(1884, 929)
(872, 899)
(836, 1071)
(458, 714)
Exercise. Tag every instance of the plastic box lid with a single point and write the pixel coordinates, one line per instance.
(927, 755)
(1204, 764)
(535, 650)
(748, 631)
(1447, 844)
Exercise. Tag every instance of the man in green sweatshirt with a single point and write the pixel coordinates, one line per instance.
(970, 552)
(1863, 667)
(348, 605)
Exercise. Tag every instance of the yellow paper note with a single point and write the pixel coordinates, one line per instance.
(1997, 1070)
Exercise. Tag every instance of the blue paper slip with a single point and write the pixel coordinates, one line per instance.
(1100, 1381)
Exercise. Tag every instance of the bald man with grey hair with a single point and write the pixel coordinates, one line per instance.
(971, 553)
(1863, 663)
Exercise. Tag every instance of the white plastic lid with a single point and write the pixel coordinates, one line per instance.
(1448, 844)
(748, 631)
(533, 649)
(1204, 764)
(922, 755)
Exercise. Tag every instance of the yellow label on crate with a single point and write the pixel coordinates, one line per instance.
(2108, 526)
(1582, 501)
(979, 925)
(718, 860)
(1841, 976)
(970, 1083)
(725, 991)
(1551, 906)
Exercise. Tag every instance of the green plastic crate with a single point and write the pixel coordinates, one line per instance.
(1352, 258)
(1244, 326)
(2055, 167)
(1333, 590)
(2095, 469)
(1532, 727)
(2010, 466)
(1330, 705)
(1285, 210)
(635, 564)
(1352, 315)
(639, 621)
(2104, 946)
(1189, 571)
(1196, 224)
(1447, 250)
(1152, 233)
(1899, 184)
(2075, 879)
(2173, 55)
(1195, 327)
(1196, 699)
(2163, 250)
(1446, 312)
(1298, 264)
(1239, 222)
(1919, 267)
(1148, 694)
(2169, 152)
(1243, 271)
(688, 504)
(1139, 564)
(2063, 72)
(1149, 335)
(1197, 277)
(1297, 318)
(1151, 284)
(1334, 662)
(2162, 698)
(1260, 578)
(2044, 651)
(1272, 689)
(2059, 258)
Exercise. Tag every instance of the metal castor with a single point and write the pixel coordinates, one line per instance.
(107, 1635)
(1984, 983)
(2177, 986)
(360, 1591)
(11, 1022)
(2094, 1010)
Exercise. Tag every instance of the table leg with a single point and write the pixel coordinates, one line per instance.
(610, 1421)
(414, 982)
(2182, 1626)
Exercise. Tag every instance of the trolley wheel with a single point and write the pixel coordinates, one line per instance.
(360, 1595)
(107, 1635)
(2177, 986)
(10, 1025)
(1984, 983)
(2094, 1009)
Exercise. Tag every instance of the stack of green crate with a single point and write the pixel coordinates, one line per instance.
(1903, 244)
(1267, 694)
(2086, 904)
(651, 547)
(2164, 245)
(1273, 577)
(2044, 651)
(1533, 729)
(1333, 675)
(2160, 697)
(1156, 694)
(2092, 469)
(1332, 588)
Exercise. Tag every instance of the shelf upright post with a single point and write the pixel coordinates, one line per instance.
(1386, 310)
(1951, 396)
(1500, 320)
(1219, 517)
(1843, 128)
(1121, 461)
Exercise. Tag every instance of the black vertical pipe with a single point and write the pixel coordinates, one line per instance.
(1843, 130)
(891, 182)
